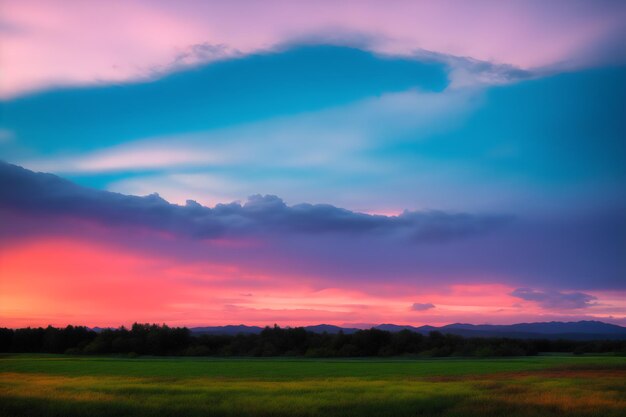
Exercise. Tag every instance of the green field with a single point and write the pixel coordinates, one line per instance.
(56, 385)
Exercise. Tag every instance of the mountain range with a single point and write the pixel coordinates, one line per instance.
(579, 330)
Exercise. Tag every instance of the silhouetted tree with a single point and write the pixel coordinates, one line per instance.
(152, 339)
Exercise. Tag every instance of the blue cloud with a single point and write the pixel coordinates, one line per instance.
(216, 95)
(559, 129)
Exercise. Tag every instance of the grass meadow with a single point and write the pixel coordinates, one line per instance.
(57, 385)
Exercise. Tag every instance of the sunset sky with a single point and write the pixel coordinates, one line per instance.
(304, 162)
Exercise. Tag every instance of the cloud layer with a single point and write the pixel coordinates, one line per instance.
(51, 43)
(555, 300)
(422, 306)
(48, 195)
(470, 156)
(291, 124)
(266, 261)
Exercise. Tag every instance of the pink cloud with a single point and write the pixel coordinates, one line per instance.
(48, 43)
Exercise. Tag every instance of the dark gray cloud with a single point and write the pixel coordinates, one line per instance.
(569, 251)
(555, 299)
(48, 195)
(422, 306)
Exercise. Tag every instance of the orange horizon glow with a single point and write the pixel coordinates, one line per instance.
(53, 281)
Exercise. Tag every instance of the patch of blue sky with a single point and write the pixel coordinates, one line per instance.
(217, 95)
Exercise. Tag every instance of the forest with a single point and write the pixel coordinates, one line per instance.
(162, 340)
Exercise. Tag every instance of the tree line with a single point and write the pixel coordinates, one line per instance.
(162, 340)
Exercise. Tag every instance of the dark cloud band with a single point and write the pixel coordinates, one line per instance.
(555, 299)
(47, 194)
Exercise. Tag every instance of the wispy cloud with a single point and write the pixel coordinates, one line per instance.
(422, 306)
(52, 43)
(6, 136)
(312, 139)
(555, 300)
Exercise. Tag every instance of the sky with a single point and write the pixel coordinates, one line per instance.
(305, 162)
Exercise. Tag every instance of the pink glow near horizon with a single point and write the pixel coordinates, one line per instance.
(50, 43)
(76, 281)
(376, 196)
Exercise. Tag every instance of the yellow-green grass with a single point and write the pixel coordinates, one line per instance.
(87, 386)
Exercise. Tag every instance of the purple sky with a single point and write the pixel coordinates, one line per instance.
(340, 162)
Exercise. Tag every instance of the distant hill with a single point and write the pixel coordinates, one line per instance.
(331, 329)
(579, 330)
(227, 330)
(398, 328)
(99, 329)
(243, 329)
